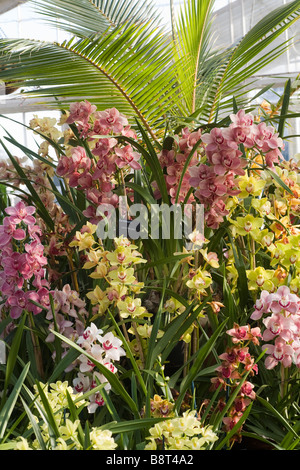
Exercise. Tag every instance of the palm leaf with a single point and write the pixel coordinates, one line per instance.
(119, 56)
(84, 18)
(192, 39)
(249, 55)
(126, 68)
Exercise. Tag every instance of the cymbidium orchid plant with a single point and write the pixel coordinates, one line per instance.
(185, 336)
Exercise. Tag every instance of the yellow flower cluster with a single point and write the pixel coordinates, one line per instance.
(262, 219)
(116, 268)
(68, 429)
(116, 284)
(180, 433)
(45, 127)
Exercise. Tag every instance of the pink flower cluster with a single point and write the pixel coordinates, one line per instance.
(215, 180)
(260, 137)
(282, 326)
(70, 313)
(235, 362)
(94, 173)
(173, 161)
(22, 278)
(106, 349)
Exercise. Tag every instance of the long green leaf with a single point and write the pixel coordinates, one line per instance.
(133, 425)
(87, 17)
(8, 407)
(13, 356)
(129, 353)
(201, 356)
(35, 426)
(279, 416)
(48, 410)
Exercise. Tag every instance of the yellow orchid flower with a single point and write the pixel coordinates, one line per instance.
(294, 240)
(260, 278)
(100, 271)
(122, 276)
(132, 307)
(173, 305)
(96, 296)
(83, 241)
(123, 255)
(93, 257)
(232, 275)
(295, 285)
(291, 258)
(246, 225)
(137, 287)
(200, 281)
(263, 237)
(278, 252)
(250, 186)
(145, 331)
(211, 258)
(263, 206)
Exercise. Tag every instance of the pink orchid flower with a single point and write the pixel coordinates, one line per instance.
(240, 404)
(283, 299)
(272, 157)
(266, 138)
(244, 333)
(80, 112)
(112, 119)
(241, 135)
(65, 166)
(80, 158)
(8, 231)
(126, 156)
(228, 160)
(231, 421)
(199, 173)
(278, 325)
(214, 139)
(104, 146)
(247, 390)
(21, 213)
(17, 303)
(212, 187)
(280, 352)
(241, 119)
(261, 306)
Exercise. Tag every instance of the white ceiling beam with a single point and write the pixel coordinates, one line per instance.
(6, 5)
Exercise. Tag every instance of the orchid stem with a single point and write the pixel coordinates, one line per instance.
(36, 347)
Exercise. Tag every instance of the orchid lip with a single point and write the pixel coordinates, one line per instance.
(284, 303)
(275, 331)
(278, 357)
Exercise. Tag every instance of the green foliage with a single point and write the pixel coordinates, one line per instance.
(163, 81)
(118, 47)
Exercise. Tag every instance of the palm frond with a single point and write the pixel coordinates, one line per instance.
(128, 67)
(253, 52)
(84, 18)
(120, 56)
(192, 39)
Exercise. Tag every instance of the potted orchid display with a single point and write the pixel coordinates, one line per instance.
(194, 332)
(150, 242)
